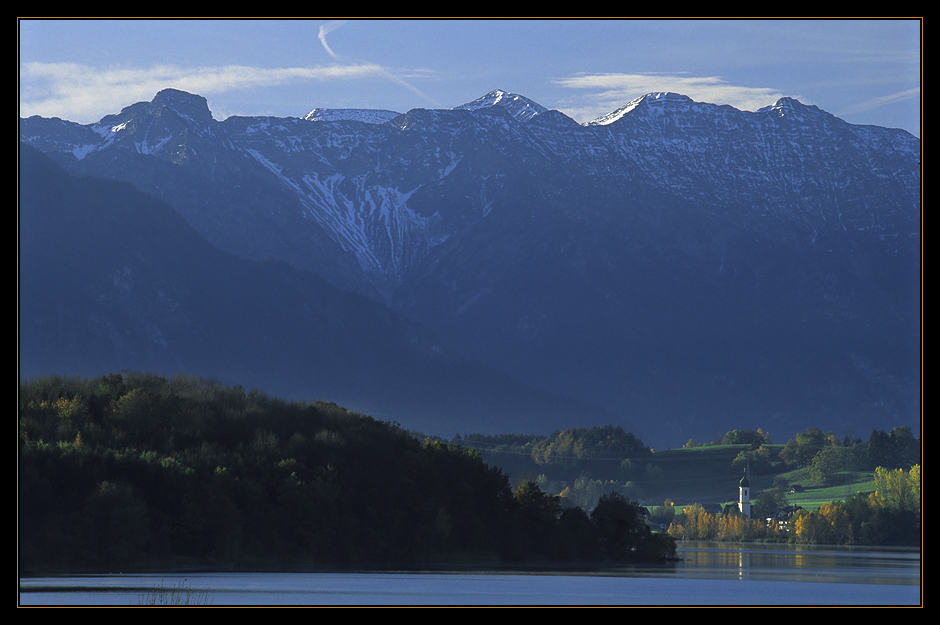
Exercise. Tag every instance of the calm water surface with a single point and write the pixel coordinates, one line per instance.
(709, 574)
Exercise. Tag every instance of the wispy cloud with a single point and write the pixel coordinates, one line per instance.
(611, 91)
(877, 103)
(85, 93)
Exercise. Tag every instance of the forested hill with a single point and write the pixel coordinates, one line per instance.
(139, 470)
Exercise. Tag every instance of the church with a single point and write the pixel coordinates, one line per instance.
(744, 496)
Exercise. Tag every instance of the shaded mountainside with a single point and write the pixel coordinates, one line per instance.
(688, 266)
(111, 279)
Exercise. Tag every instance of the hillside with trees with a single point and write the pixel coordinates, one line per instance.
(139, 470)
(888, 515)
(815, 488)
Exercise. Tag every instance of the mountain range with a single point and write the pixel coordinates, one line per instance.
(678, 267)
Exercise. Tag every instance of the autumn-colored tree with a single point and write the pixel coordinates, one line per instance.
(865, 518)
(899, 489)
(699, 524)
(732, 527)
(695, 523)
(835, 515)
(809, 528)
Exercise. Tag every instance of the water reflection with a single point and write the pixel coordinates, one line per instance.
(798, 563)
(762, 575)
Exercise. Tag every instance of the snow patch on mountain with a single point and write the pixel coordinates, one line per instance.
(367, 116)
(789, 162)
(371, 220)
(520, 107)
(655, 101)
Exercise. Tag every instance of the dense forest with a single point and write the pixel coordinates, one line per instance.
(139, 470)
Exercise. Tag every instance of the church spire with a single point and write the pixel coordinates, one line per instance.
(744, 494)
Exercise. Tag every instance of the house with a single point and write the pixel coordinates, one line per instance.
(782, 516)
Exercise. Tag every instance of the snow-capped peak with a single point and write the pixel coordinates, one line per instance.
(783, 103)
(520, 107)
(656, 98)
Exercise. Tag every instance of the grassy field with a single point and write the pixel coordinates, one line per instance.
(699, 475)
(706, 475)
(814, 496)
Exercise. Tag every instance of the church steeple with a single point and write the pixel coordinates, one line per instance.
(744, 496)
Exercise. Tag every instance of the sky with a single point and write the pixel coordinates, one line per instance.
(865, 71)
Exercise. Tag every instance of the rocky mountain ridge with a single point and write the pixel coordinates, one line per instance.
(658, 252)
(785, 162)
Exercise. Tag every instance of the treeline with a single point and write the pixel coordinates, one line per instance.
(695, 523)
(736, 437)
(828, 460)
(826, 454)
(890, 515)
(605, 446)
(580, 464)
(137, 469)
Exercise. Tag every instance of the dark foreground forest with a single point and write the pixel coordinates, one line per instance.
(138, 470)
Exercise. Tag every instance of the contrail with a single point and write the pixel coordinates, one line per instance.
(327, 29)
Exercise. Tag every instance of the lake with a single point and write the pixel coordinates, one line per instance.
(708, 574)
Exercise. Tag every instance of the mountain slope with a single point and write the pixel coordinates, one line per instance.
(680, 263)
(112, 279)
(332, 187)
(701, 278)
